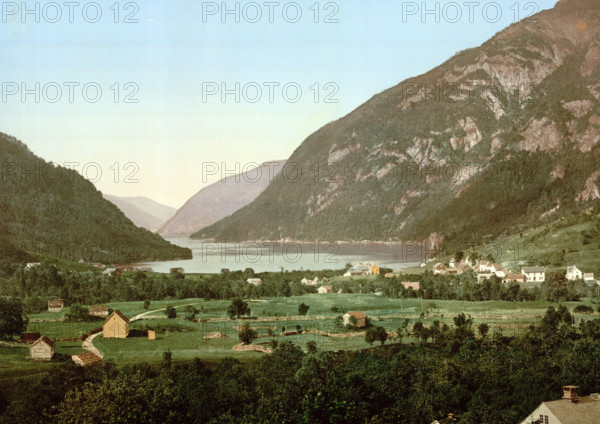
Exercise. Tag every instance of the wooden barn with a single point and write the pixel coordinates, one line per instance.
(86, 358)
(55, 305)
(42, 349)
(361, 319)
(99, 310)
(116, 326)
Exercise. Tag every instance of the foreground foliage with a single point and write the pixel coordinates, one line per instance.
(491, 379)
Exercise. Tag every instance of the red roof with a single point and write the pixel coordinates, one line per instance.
(29, 337)
(357, 314)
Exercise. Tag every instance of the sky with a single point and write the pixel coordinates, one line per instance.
(160, 99)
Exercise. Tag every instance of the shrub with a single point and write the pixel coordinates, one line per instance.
(583, 309)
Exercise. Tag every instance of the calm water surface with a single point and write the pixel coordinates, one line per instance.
(211, 257)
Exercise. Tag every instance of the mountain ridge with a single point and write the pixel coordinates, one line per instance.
(221, 199)
(522, 108)
(143, 211)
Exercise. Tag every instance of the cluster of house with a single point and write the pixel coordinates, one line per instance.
(363, 268)
(115, 326)
(486, 270)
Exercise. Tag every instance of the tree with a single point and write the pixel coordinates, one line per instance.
(303, 309)
(78, 313)
(459, 255)
(247, 334)
(146, 304)
(483, 330)
(237, 309)
(171, 312)
(299, 328)
(311, 346)
(11, 318)
(376, 334)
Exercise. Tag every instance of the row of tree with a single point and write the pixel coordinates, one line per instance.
(484, 379)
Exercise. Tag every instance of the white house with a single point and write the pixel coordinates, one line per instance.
(534, 274)
(312, 282)
(254, 281)
(574, 274)
(485, 267)
(325, 289)
(588, 277)
(571, 409)
(439, 269)
(499, 270)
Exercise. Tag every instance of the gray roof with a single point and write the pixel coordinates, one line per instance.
(586, 411)
(531, 269)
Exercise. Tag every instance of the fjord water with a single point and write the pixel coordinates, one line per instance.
(211, 257)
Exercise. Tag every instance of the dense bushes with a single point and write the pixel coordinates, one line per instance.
(481, 380)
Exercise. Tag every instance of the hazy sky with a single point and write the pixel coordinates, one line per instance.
(179, 52)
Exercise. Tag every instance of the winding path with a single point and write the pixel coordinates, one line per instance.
(88, 342)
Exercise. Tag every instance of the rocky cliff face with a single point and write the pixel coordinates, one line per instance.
(469, 149)
(221, 199)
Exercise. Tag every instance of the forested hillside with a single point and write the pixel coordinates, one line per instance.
(54, 211)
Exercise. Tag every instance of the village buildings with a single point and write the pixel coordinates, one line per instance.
(42, 349)
(574, 274)
(86, 359)
(534, 274)
(55, 305)
(116, 326)
(571, 409)
(363, 268)
(361, 319)
(254, 281)
(325, 289)
(99, 311)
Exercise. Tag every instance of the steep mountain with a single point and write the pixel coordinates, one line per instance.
(498, 138)
(222, 199)
(143, 212)
(54, 211)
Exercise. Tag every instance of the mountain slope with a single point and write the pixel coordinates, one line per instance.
(498, 137)
(221, 199)
(143, 212)
(55, 211)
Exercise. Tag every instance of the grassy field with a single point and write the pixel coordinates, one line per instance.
(186, 339)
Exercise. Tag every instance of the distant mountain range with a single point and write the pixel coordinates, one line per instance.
(53, 211)
(500, 137)
(221, 199)
(143, 212)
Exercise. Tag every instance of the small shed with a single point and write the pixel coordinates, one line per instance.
(42, 349)
(99, 310)
(86, 359)
(151, 335)
(55, 305)
(361, 319)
